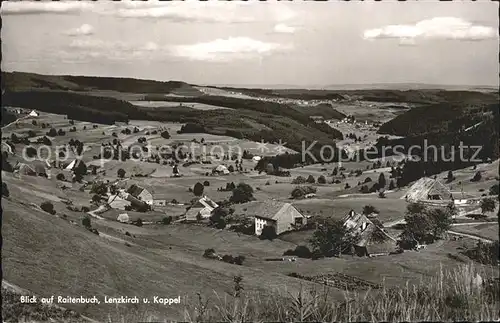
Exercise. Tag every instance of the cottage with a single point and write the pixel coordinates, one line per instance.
(202, 209)
(220, 170)
(426, 189)
(118, 201)
(24, 169)
(123, 218)
(140, 194)
(373, 240)
(33, 113)
(282, 216)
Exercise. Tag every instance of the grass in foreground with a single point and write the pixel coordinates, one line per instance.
(456, 295)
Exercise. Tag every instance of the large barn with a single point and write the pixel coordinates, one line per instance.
(373, 240)
(282, 216)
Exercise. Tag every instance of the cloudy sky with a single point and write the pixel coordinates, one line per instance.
(257, 43)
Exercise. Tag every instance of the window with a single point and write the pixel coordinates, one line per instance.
(298, 221)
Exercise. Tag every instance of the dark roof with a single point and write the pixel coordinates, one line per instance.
(135, 190)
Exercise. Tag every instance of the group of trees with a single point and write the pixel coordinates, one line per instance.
(425, 225)
(301, 191)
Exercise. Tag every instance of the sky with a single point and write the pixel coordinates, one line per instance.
(257, 43)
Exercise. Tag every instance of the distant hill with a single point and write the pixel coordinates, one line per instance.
(27, 81)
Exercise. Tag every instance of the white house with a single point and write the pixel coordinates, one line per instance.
(203, 208)
(33, 113)
(141, 194)
(123, 218)
(282, 216)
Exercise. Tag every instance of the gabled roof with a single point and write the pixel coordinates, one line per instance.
(364, 227)
(23, 168)
(426, 186)
(206, 202)
(192, 213)
(269, 209)
(74, 164)
(135, 190)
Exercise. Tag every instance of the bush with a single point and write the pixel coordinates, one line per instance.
(230, 168)
(268, 233)
(52, 132)
(239, 260)
(5, 190)
(242, 193)
(494, 190)
(166, 220)
(300, 251)
(165, 134)
(369, 209)
(477, 177)
(210, 252)
(121, 173)
(206, 183)
(198, 189)
(228, 258)
(86, 222)
(488, 205)
(321, 180)
(310, 179)
(299, 180)
(301, 191)
(48, 207)
(99, 188)
(138, 222)
(364, 189)
(367, 180)
(381, 180)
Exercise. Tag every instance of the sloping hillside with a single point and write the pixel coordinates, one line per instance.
(26, 81)
(49, 255)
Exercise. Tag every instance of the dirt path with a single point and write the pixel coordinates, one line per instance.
(472, 236)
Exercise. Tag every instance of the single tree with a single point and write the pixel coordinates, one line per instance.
(331, 238)
(310, 179)
(381, 180)
(450, 177)
(488, 205)
(242, 193)
(121, 173)
(198, 189)
(86, 222)
(369, 209)
(5, 190)
(322, 180)
(477, 177)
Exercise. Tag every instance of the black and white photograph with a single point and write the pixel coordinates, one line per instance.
(250, 161)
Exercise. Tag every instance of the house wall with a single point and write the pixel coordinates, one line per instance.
(260, 223)
(159, 202)
(286, 217)
(146, 197)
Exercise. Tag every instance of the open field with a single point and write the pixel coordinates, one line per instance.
(55, 254)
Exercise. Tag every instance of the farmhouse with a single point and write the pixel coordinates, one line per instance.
(373, 240)
(24, 169)
(426, 189)
(220, 170)
(123, 218)
(33, 113)
(282, 216)
(203, 208)
(140, 194)
(118, 201)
